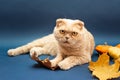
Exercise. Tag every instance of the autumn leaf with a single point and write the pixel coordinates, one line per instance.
(103, 70)
(102, 48)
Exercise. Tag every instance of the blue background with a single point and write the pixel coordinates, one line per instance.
(22, 21)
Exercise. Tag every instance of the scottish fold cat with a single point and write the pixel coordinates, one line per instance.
(71, 44)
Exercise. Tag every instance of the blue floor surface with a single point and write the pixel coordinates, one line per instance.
(23, 68)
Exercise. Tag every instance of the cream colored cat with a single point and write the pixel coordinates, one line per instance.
(70, 42)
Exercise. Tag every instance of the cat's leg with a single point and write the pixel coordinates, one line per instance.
(25, 48)
(19, 50)
(72, 61)
(38, 51)
(49, 48)
(43, 50)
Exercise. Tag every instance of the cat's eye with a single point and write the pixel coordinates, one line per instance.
(62, 31)
(74, 33)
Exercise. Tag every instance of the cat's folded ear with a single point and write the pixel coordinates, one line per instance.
(79, 23)
(59, 22)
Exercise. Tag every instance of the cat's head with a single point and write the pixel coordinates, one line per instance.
(68, 32)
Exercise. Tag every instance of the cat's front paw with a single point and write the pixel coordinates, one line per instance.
(63, 65)
(53, 63)
(11, 52)
(34, 51)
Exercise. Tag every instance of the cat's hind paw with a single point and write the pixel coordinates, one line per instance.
(11, 52)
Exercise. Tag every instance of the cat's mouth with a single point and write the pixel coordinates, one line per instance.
(66, 42)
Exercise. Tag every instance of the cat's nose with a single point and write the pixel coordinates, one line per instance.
(67, 38)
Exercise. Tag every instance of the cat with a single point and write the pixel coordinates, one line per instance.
(71, 44)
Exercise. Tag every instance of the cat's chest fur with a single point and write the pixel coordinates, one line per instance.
(70, 51)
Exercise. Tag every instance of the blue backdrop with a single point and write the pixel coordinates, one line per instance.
(22, 21)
